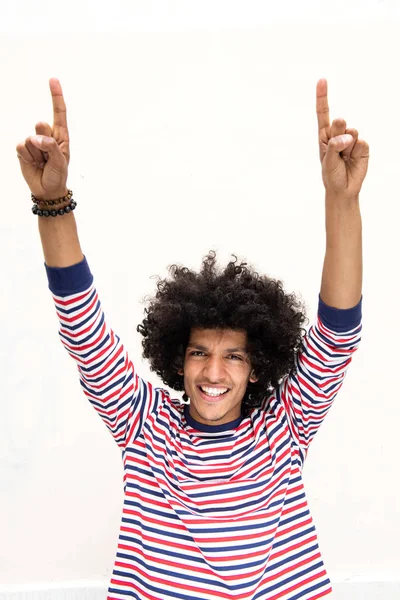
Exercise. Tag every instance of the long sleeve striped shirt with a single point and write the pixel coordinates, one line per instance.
(210, 512)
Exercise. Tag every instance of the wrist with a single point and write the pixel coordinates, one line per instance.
(343, 225)
(342, 199)
(56, 195)
(59, 236)
(53, 207)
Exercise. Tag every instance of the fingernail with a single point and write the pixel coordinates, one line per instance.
(41, 166)
(38, 139)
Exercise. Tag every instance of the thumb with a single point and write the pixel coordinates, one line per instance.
(335, 146)
(48, 144)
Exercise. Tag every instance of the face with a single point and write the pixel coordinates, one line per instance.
(216, 372)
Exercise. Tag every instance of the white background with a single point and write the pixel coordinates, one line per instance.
(192, 127)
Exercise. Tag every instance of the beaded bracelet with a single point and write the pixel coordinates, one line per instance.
(53, 202)
(53, 213)
(42, 211)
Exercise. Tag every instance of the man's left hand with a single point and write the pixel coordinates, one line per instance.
(344, 157)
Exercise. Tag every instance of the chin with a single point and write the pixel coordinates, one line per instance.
(216, 413)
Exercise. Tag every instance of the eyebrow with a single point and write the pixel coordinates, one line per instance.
(204, 348)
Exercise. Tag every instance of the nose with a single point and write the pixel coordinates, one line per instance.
(214, 369)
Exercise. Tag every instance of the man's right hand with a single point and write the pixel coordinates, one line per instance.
(44, 157)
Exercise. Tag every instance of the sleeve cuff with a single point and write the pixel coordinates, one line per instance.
(65, 281)
(340, 319)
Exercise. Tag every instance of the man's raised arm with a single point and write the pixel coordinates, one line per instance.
(344, 160)
(107, 375)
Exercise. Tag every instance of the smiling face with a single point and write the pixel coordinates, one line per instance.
(216, 372)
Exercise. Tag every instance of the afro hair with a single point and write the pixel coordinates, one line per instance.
(235, 298)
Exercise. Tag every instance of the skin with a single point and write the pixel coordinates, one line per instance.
(218, 359)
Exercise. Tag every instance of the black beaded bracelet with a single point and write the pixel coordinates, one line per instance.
(53, 213)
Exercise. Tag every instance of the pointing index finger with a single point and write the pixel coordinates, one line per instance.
(322, 105)
(59, 108)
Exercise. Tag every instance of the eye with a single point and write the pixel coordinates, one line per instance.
(196, 353)
(235, 357)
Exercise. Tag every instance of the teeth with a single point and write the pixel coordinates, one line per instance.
(214, 391)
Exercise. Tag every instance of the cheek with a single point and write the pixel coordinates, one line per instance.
(189, 372)
(240, 377)
(247, 378)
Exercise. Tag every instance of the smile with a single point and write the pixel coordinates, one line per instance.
(212, 393)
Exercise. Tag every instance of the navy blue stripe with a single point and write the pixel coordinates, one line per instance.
(305, 593)
(80, 341)
(294, 537)
(190, 577)
(76, 308)
(289, 580)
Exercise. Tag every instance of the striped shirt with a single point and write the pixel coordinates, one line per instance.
(210, 512)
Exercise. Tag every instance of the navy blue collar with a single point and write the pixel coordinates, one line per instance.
(210, 428)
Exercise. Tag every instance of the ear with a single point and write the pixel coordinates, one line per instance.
(253, 378)
(180, 371)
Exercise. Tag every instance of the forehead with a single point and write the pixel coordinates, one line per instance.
(229, 338)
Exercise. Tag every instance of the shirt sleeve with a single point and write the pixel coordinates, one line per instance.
(322, 363)
(122, 399)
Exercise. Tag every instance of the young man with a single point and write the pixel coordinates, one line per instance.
(214, 501)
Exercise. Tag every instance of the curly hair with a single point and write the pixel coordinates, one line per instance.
(235, 298)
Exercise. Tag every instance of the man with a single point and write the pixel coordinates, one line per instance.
(214, 502)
